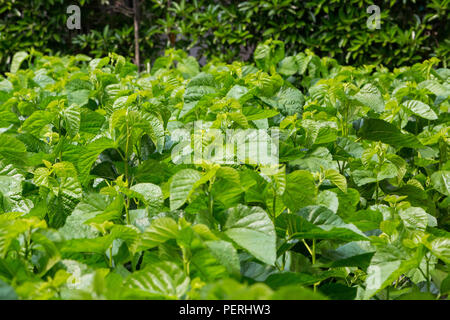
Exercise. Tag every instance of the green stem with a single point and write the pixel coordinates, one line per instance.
(211, 205)
(376, 192)
(307, 247)
(126, 169)
(274, 204)
(185, 261)
(313, 254)
(110, 257)
(27, 243)
(126, 210)
(428, 274)
(387, 293)
(211, 201)
(284, 262)
(126, 150)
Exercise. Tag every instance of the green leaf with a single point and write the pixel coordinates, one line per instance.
(36, 122)
(420, 109)
(164, 280)
(101, 244)
(290, 101)
(17, 60)
(90, 206)
(370, 96)
(7, 292)
(337, 179)
(258, 114)
(230, 289)
(300, 190)
(89, 155)
(90, 121)
(278, 280)
(153, 126)
(72, 118)
(112, 212)
(352, 254)
(226, 254)
(98, 63)
(262, 56)
(78, 97)
(435, 87)
(440, 247)
(188, 67)
(159, 231)
(51, 254)
(318, 222)
(414, 218)
(293, 292)
(347, 201)
(388, 263)
(182, 186)
(440, 180)
(380, 130)
(12, 150)
(288, 66)
(252, 229)
(151, 194)
(95, 245)
(328, 199)
(41, 177)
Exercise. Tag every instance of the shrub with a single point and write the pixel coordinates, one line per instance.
(92, 200)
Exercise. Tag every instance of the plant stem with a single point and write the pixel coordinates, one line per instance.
(313, 254)
(136, 33)
(126, 151)
(274, 204)
(211, 205)
(110, 257)
(284, 261)
(376, 192)
(126, 210)
(27, 243)
(307, 247)
(211, 201)
(428, 274)
(185, 261)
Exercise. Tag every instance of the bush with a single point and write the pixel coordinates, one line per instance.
(96, 203)
(410, 30)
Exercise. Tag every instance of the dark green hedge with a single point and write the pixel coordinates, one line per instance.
(410, 30)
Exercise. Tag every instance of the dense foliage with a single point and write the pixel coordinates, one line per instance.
(410, 30)
(92, 205)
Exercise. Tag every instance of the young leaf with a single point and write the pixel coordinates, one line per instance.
(89, 155)
(300, 190)
(182, 186)
(252, 229)
(420, 109)
(17, 60)
(380, 130)
(337, 179)
(163, 280)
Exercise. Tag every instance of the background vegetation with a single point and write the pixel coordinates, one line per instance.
(410, 30)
